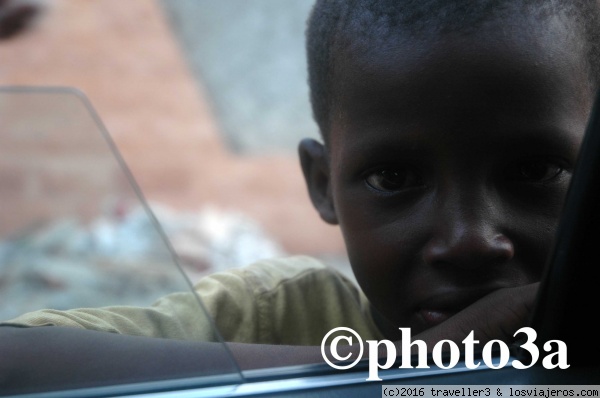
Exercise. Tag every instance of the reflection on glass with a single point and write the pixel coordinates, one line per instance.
(75, 232)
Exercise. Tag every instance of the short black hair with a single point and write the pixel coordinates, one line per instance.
(370, 21)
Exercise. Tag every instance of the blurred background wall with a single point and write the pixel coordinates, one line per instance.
(250, 58)
(205, 99)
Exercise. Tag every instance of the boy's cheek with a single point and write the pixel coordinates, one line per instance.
(384, 254)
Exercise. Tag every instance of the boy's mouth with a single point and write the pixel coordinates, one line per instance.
(442, 307)
(435, 317)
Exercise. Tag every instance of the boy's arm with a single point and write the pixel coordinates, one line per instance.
(496, 316)
(58, 357)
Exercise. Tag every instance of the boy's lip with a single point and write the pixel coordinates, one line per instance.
(434, 317)
(440, 307)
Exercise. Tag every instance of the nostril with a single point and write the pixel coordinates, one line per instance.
(503, 247)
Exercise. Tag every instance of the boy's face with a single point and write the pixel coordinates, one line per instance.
(449, 160)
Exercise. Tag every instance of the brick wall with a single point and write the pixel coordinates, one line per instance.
(54, 160)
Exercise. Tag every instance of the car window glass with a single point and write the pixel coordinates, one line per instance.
(76, 232)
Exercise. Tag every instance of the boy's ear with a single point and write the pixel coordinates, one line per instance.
(315, 166)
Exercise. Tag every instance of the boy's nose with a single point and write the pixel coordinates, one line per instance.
(468, 240)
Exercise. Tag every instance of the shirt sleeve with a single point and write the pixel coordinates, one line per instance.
(224, 300)
(293, 301)
(176, 316)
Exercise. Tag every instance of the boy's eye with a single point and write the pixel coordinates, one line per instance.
(536, 171)
(393, 179)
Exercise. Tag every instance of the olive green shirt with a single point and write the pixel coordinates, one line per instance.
(294, 301)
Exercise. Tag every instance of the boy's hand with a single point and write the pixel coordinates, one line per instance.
(496, 316)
